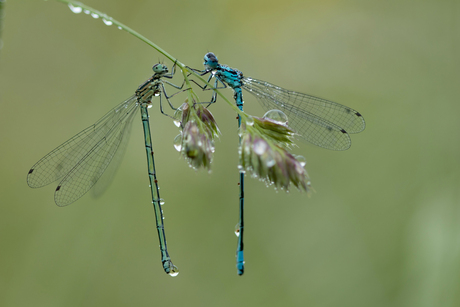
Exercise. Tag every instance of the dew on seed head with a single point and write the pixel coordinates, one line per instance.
(277, 116)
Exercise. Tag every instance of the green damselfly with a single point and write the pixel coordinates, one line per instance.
(79, 162)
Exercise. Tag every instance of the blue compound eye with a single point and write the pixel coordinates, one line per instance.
(210, 60)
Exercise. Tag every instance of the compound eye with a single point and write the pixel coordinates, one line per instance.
(210, 57)
(157, 68)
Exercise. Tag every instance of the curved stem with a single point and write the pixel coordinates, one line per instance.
(185, 70)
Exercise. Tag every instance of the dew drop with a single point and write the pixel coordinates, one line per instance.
(277, 116)
(301, 160)
(107, 22)
(174, 271)
(161, 201)
(237, 230)
(94, 15)
(270, 161)
(259, 147)
(119, 28)
(75, 9)
(149, 106)
(249, 121)
(178, 116)
(86, 12)
(178, 142)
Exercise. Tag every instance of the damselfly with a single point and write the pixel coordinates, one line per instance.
(319, 121)
(80, 162)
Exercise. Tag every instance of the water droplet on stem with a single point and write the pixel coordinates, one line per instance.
(75, 9)
(107, 22)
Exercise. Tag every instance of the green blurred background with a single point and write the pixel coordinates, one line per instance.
(381, 230)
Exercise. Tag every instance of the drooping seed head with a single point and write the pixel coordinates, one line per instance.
(196, 141)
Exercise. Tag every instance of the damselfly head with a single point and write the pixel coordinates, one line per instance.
(210, 61)
(160, 68)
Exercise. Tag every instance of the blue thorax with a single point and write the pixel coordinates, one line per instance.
(232, 77)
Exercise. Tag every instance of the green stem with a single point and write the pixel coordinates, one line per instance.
(185, 70)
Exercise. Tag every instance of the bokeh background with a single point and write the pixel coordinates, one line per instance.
(382, 228)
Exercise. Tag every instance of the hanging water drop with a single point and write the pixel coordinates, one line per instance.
(149, 106)
(249, 121)
(178, 116)
(75, 9)
(270, 161)
(178, 142)
(107, 22)
(237, 230)
(277, 116)
(87, 12)
(301, 160)
(260, 147)
(94, 15)
(174, 270)
(119, 28)
(161, 201)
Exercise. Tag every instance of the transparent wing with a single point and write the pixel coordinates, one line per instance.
(104, 182)
(318, 121)
(96, 143)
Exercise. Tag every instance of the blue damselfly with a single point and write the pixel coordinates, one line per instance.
(319, 121)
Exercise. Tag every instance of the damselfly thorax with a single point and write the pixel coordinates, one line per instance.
(148, 90)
